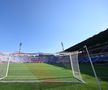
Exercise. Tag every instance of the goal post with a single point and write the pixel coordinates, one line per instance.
(52, 67)
(4, 65)
(94, 71)
(75, 66)
(73, 56)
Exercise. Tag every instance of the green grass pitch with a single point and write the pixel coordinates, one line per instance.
(39, 72)
(45, 73)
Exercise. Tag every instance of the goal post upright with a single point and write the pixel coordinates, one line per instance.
(94, 71)
(7, 71)
(7, 67)
(74, 64)
(78, 77)
(71, 64)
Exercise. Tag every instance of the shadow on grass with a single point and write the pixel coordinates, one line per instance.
(101, 70)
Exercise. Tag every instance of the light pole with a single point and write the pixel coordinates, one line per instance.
(20, 47)
(62, 46)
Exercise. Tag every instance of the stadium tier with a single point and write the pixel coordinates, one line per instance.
(97, 46)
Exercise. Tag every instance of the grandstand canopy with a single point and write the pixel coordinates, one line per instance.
(92, 42)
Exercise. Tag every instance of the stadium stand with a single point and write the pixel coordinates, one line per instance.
(97, 46)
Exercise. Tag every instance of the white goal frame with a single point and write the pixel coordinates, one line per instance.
(7, 67)
(64, 53)
(71, 62)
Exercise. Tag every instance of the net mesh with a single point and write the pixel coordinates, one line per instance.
(75, 66)
(24, 67)
(4, 58)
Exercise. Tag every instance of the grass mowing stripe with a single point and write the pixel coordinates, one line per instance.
(21, 71)
(39, 71)
(85, 69)
(50, 72)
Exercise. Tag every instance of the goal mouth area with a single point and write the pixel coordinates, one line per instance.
(22, 81)
(40, 68)
(46, 80)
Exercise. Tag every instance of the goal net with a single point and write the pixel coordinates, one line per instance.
(4, 65)
(75, 66)
(41, 67)
(74, 62)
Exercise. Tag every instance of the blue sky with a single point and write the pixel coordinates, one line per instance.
(41, 25)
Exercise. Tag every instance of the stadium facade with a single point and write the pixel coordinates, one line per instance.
(34, 58)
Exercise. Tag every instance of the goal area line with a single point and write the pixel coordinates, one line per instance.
(37, 81)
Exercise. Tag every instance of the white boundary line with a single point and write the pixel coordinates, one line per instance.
(39, 81)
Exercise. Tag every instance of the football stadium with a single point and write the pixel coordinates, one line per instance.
(82, 66)
(53, 44)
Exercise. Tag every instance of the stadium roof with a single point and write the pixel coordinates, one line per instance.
(92, 42)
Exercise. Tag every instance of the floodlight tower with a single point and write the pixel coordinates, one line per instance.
(20, 47)
(62, 46)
